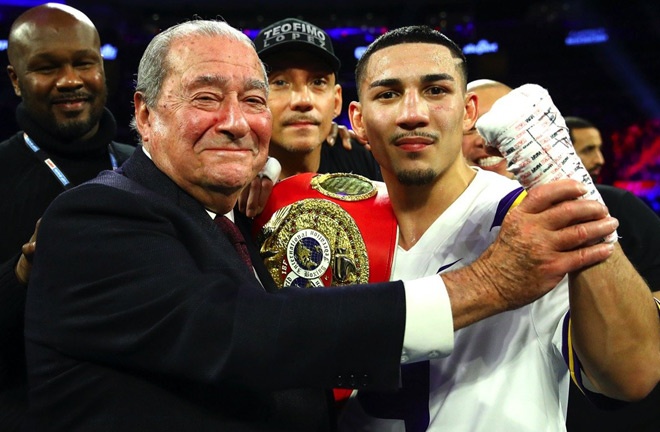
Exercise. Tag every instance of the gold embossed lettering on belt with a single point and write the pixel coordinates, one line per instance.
(327, 230)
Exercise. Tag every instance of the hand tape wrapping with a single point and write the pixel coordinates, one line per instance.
(530, 132)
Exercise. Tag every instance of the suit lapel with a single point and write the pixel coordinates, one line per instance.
(142, 170)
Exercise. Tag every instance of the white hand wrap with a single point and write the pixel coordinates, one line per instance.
(531, 134)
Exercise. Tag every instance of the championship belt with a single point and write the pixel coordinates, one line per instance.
(327, 230)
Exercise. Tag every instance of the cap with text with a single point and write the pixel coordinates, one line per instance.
(292, 34)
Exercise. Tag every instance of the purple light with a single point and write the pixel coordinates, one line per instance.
(26, 3)
(586, 37)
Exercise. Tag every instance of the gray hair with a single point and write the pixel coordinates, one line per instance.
(154, 64)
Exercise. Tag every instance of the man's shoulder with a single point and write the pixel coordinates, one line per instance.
(620, 200)
(491, 196)
(112, 193)
(610, 191)
(124, 151)
(493, 184)
(10, 142)
(117, 180)
(11, 149)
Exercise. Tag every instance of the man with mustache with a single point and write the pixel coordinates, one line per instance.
(56, 68)
(304, 99)
(508, 372)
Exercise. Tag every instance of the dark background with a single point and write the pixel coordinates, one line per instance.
(615, 84)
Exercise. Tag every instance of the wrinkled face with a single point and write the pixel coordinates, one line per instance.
(59, 75)
(304, 100)
(588, 144)
(413, 111)
(474, 146)
(210, 128)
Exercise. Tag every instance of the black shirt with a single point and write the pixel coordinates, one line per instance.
(639, 232)
(358, 160)
(27, 187)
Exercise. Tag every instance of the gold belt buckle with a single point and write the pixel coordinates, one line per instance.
(311, 243)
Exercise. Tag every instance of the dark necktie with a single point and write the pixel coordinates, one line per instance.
(235, 237)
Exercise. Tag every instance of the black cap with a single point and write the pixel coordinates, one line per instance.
(291, 33)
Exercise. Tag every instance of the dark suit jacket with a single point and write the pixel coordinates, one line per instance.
(141, 317)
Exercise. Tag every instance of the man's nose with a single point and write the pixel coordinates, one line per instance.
(414, 111)
(232, 121)
(301, 99)
(68, 78)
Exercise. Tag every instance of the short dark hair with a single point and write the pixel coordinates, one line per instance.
(573, 122)
(410, 34)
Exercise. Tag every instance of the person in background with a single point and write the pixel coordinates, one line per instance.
(639, 232)
(509, 372)
(587, 143)
(172, 325)
(475, 149)
(56, 68)
(639, 226)
(304, 99)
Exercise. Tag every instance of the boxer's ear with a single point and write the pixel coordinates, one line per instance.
(355, 116)
(471, 111)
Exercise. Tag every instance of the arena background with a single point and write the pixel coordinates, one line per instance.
(598, 59)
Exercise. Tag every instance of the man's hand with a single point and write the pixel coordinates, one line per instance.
(345, 134)
(254, 196)
(544, 238)
(24, 265)
(548, 235)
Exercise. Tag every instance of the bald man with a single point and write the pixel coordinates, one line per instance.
(56, 68)
(474, 146)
